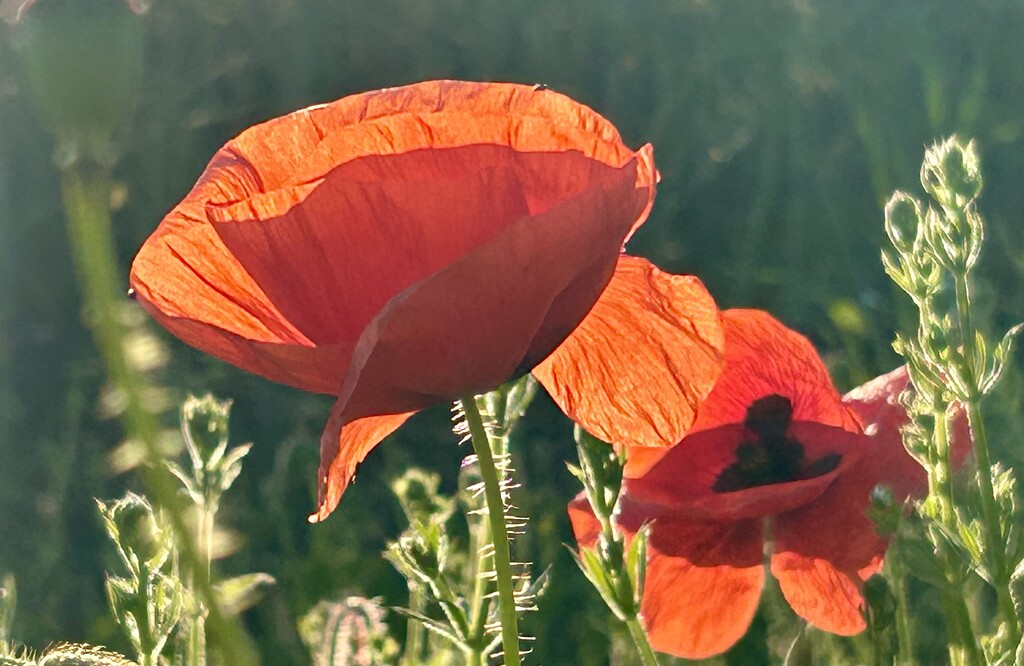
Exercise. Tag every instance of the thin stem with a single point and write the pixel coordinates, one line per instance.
(413, 628)
(963, 647)
(86, 195)
(499, 536)
(996, 546)
(643, 646)
(904, 624)
(480, 534)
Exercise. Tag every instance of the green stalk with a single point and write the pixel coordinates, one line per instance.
(499, 536)
(643, 646)
(86, 195)
(477, 615)
(904, 625)
(414, 628)
(963, 647)
(996, 545)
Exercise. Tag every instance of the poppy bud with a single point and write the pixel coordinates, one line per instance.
(951, 172)
(83, 66)
(204, 425)
(903, 220)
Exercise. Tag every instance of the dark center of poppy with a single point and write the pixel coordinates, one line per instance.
(768, 455)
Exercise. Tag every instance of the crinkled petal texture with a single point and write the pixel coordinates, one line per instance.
(636, 369)
(398, 248)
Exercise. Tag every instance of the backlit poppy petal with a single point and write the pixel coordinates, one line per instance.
(682, 482)
(820, 593)
(763, 357)
(496, 311)
(636, 369)
(703, 585)
(342, 447)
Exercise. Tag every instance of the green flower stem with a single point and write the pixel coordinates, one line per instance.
(996, 546)
(477, 613)
(499, 536)
(86, 195)
(643, 646)
(904, 624)
(963, 647)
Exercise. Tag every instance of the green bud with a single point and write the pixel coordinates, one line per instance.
(133, 528)
(951, 172)
(83, 65)
(423, 504)
(903, 221)
(204, 426)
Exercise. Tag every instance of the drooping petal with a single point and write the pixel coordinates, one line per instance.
(682, 482)
(827, 597)
(482, 319)
(497, 310)
(635, 371)
(762, 358)
(703, 579)
(823, 550)
(342, 447)
(703, 585)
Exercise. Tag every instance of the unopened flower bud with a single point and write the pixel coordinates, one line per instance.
(951, 172)
(902, 220)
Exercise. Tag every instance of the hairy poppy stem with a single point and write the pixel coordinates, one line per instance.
(499, 535)
(86, 193)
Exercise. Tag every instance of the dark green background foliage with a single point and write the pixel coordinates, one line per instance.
(780, 127)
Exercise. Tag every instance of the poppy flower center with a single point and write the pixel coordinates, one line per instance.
(767, 454)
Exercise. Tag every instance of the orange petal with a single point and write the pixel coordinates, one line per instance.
(342, 447)
(820, 593)
(763, 357)
(635, 371)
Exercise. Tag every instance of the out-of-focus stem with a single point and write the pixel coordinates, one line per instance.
(904, 624)
(499, 536)
(414, 628)
(86, 195)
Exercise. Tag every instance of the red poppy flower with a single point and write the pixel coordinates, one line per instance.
(773, 440)
(403, 247)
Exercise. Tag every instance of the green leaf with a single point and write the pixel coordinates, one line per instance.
(444, 631)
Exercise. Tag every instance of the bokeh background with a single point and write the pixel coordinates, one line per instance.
(780, 127)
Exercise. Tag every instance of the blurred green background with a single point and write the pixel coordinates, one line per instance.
(780, 128)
